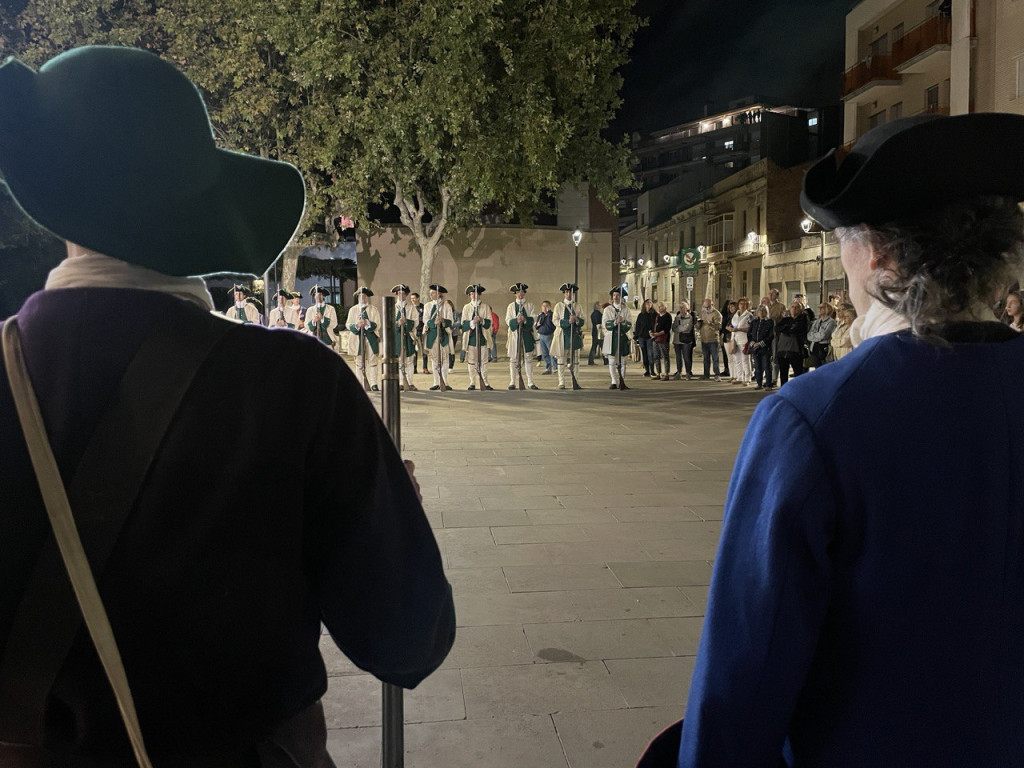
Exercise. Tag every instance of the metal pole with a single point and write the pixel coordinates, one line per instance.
(393, 709)
(821, 271)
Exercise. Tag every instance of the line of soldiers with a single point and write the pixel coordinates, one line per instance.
(363, 323)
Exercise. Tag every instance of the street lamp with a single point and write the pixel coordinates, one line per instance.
(810, 228)
(577, 238)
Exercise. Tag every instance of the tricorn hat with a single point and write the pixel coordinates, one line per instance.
(518, 287)
(908, 165)
(319, 289)
(362, 289)
(569, 287)
(617, 289)
(111, 148)
(282, 293)
(400, 287)
(438, 287)
(241, 289)
(474, 288)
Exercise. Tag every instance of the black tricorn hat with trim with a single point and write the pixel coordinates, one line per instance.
(516, 287)
(474, 288)
(438, 287)
(568, 287)
(400, 287)
(240, 288)
(320, 289)
(362, 289)
(111, 148)
(282, 293)
(908, 165)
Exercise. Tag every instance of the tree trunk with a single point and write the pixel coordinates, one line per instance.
(289, 265)
(411, 210)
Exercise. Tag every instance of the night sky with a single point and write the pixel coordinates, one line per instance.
(698, 51)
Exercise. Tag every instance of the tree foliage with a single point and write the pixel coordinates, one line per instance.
(446, 107)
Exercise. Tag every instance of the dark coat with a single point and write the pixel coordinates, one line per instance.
(795, 328)
(760, 335)
(256, 523)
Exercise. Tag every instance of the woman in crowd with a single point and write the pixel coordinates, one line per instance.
(728, 310)
(684, 336)
(841, 342)
(659, 342)
(739, 357)
(760, 335)
(642, 331)
(1013, 315)
(790, 335)
(819, 335)
(545, 325)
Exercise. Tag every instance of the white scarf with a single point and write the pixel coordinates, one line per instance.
(877, 321)
(92, 270)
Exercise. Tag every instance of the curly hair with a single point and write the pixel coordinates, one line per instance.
(946, 259)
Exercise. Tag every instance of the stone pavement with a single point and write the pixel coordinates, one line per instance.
(577, 530)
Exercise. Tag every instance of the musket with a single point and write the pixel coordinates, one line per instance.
(618, 351)
(438, 339)
(479, 338)
(362, 351)
(403, 375)
(521, 344)
(572, 342)
(392, 702)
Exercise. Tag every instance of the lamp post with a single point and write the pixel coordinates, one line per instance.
(809, 227)
(577, 238)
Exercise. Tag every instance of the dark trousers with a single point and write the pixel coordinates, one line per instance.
(762, 366)
(684, 356)
(710, 351)
(785, 361)
(595, 348)
(645, 354)
(725, 358)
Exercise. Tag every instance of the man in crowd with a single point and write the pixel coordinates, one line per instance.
(567, 343)
(322, 318)
(284, 315)
(363, 341)
(405, 339)
(519, 318)
(709, 324)
(241, 310)
(476, 325)
(617, 320)
(418, 306)
(438, 334)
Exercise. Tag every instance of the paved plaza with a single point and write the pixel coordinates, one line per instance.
(577, 530)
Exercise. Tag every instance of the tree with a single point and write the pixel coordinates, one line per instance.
(444, 108)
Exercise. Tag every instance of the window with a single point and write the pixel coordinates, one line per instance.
(896, 111)
(880, 46)
(931, 99)
(643, 219)
(897, 32)
(693, 237)
(812, 122)
(876, 119)
(729, 145)
(743, 226)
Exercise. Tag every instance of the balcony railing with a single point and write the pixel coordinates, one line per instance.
(872, 68)
(935, 31)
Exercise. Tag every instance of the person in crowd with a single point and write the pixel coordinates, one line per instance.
(660, 334)
(684, 336)
(545, 333)
(1013, 315)
(519, 319)
(284, 315)
(567, 345)
(642, 332)
(218, 606)
(495, 327)
(322, 318)
(417, 304)
(456, 336)
(790, 340)
(258, 305)
(849, 573)
(437, 337)
(728, 310)
(760, 337)
(241, 310)
(709, 325)
(819, 335)
(476, 327)
(300, 313)
(405, 335)
(595, 332)
(363, 325)
(842, 343)
(739, 322)
(806, 309)
(617, 320)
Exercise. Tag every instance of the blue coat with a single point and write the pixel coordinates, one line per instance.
(867, 601)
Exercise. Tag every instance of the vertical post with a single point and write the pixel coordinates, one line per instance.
(393, 709)
(821, 271)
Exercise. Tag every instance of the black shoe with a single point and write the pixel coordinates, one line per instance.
(534, 386)
(613, 386)
(435, 387)
(489, 387)
(561, 386)
(375, 388)
(511, 386)
(471, 387)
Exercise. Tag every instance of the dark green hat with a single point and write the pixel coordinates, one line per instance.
(518, 287)
(363, 290)
(569, 287)
(474, 288)
(319, 289)
(111, 148)
(241, 289)
(282, 293)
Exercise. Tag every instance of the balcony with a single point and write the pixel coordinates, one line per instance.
(918, 44)
(873, 70)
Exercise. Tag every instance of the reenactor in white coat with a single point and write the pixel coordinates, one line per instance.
(520, 314)
(321, 318)
(363, 325)
(406, 317)
(476, 335)
(284, 315)
(241, 310)
(437, 329)
(568, 339)
(618, 322)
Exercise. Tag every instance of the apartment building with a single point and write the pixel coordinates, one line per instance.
(910, 57)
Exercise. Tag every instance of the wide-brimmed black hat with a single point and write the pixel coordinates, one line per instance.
(518, 287)
(241, 289)
(615, 290)
(438, 287)
(111, 148)
(568, 287)
(400, 287)
(319, 289)
(914, 163)
(362, 289)
(474, 288)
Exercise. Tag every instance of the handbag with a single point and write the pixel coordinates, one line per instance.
(746, 348)
(660, 337)
(730, 347)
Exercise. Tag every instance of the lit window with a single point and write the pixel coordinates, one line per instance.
(812, 122)
(730, 144)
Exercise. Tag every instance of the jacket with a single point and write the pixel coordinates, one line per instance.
(710, 322)
(684, 328)
(760, 335)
